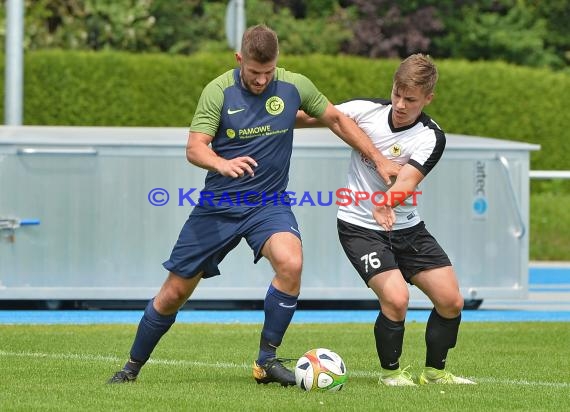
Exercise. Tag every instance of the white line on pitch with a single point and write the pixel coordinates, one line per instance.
(82, 357)
(230, 365)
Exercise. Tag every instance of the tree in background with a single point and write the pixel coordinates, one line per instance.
(516, 31)
(188, 26)
(182, 26)
(389, 28)
(557, 16)
(301, 29)
(88, 24)
(524, 32)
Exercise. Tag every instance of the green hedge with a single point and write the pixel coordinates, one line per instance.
(118, 89)
(549, 226)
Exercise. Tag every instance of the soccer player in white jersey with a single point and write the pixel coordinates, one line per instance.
(383, 235)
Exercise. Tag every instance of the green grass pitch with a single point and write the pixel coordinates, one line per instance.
(201, 367)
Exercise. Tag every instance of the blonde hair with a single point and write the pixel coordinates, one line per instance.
(260, 43)
(417, 70)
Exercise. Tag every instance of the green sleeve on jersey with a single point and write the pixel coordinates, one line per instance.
(313, 102)
(208, 112)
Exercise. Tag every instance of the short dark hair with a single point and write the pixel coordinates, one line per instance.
(260, 43)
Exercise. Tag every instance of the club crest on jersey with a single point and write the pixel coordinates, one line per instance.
(396, 150)
(274, 105)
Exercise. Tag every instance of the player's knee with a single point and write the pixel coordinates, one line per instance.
(289, 266)
(288, 276)
(169, 299)
(458, 303)
(295, 266)
(396, 304)
(452, 306)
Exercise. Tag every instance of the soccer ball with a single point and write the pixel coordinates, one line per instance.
(320, 370)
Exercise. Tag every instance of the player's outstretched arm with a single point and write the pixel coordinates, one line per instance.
(199, 153)
(347, 130)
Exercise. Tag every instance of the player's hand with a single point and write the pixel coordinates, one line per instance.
(237, 167)
(386, 169)
(384, 216)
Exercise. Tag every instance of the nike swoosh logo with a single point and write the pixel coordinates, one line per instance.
(295, 230)
(287, 306)
(230, 111)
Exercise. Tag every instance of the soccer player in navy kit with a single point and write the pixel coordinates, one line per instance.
(242, 133)
(385, 239)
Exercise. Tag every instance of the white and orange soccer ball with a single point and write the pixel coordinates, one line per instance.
(320, 370)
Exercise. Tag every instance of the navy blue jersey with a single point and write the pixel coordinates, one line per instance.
(259, 126)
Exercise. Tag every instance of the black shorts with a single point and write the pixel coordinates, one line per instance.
(411, 250)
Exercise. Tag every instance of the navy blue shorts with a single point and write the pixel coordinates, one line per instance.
(208, 236)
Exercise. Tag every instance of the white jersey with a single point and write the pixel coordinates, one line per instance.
(420, 144)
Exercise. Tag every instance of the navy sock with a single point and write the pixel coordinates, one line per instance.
(441, 335)
(279, 309)
(389, 336)
(152, 327)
